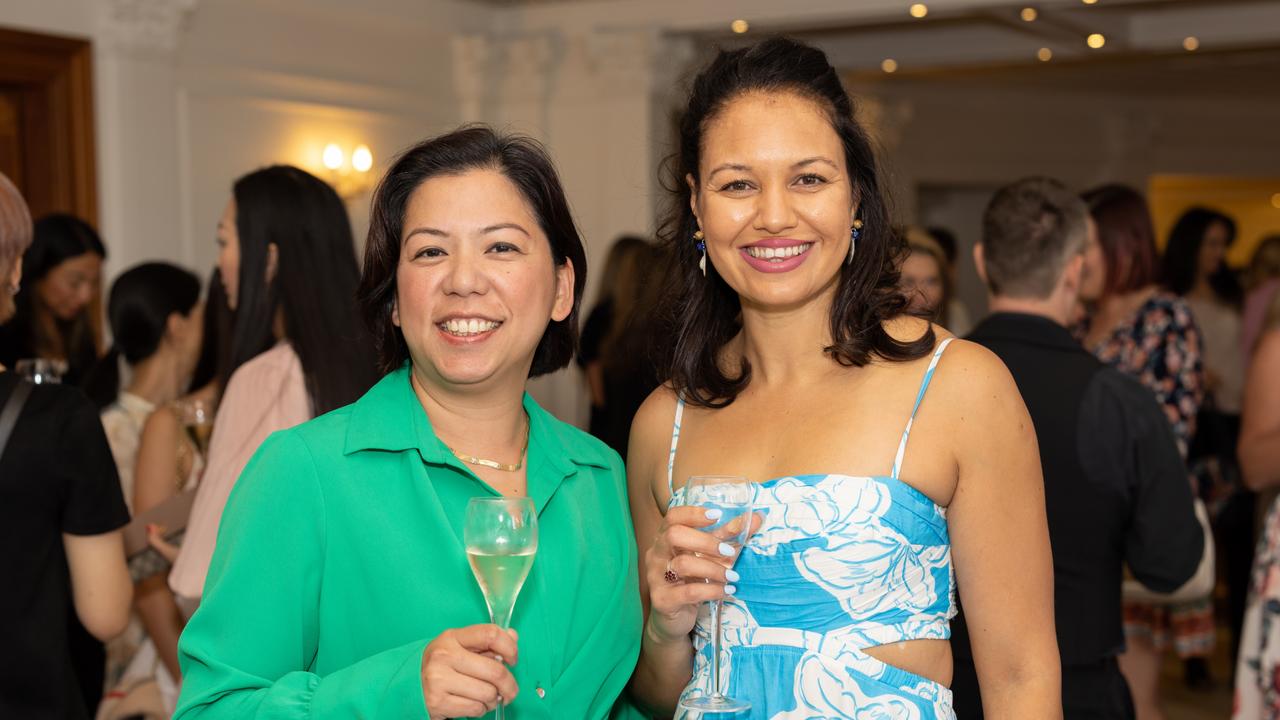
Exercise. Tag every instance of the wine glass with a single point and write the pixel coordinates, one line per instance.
(734, 497)
(41, 371)
(196, 416)
(501, 535)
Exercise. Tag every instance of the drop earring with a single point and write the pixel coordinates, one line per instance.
(854, 231)
(700, 239)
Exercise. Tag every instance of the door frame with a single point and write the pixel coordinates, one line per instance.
(56, 76)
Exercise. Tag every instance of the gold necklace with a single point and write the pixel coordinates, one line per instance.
(494, 464)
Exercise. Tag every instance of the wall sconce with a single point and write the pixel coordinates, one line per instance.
(349, 176)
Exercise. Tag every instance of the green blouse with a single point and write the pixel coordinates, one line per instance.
(340, 557)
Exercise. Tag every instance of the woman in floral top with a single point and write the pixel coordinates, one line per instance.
(1138, 329)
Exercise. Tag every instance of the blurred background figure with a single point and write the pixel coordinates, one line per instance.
(298, 347)
(958, 316)
(62, 271)
(1261, 284)
(614, 350)
(1258, 666)
(61, 508)
(170, 460)
(155, 317)
(1134, 326)
(926, 277)
(1195, 268)
(156, 320)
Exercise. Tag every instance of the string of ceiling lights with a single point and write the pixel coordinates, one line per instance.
(1028, 14)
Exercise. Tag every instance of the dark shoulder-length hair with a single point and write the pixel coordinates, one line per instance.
(313, 287)
(1126, 237)
(702, 313)
(1182, 255)
(139, 306)
(473, 147)
(55, 239)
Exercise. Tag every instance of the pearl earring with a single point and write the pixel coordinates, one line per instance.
(699, 238)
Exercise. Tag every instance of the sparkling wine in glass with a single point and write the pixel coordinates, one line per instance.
(734, 497)
(197, 417)
(501, 535)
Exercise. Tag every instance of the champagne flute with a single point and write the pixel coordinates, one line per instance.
(41, 371)
(734, 497)
(197, 417)
(501, 535)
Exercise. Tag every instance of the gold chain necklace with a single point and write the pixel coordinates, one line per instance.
(494, 464)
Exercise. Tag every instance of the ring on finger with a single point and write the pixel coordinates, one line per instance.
(671, 575)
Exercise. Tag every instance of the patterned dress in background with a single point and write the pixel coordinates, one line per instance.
(1258, 668)
(1160, 346)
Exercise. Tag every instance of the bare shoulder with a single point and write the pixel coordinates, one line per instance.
(162, 421)
(651, 427)
(972, 378)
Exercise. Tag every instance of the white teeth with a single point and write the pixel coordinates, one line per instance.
(768, 253)
(468, 326)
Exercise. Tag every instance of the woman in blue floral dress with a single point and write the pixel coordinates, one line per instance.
(891, 463)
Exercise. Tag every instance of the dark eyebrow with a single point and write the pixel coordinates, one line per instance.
(425, 231)
(506, 226)
(729, 166)
(814, 159)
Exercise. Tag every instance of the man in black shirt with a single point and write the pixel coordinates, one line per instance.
(1116, 491)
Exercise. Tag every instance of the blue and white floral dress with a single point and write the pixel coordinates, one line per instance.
(841, 563)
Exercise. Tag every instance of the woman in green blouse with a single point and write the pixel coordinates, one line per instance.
(340, 586)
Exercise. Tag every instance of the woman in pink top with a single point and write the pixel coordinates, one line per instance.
(298, 348)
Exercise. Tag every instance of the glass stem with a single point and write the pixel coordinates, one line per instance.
(715, 650)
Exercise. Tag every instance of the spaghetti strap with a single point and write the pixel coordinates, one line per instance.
(675, 440)
(924, 385)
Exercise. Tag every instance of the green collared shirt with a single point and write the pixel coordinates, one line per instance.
(340, 557)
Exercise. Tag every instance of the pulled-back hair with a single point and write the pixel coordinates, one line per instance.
(702, 313)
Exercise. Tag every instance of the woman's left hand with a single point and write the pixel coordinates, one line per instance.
(155, 538)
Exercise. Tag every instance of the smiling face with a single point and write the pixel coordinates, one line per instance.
(775, 201)
(476, 282)
(71, 285)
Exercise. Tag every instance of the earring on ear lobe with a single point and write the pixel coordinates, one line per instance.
(854, 231)
(700, 239)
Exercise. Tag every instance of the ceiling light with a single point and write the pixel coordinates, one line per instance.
(1096, 40)
(919, 10)
(889, 65)
(739, 26)
(1191, 43)
(1044, 54)
(1029, 14)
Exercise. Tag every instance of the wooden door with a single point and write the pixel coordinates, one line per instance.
(46, 122)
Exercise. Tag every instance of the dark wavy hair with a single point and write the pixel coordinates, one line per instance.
(1126, 236)
(1182, 256)
(521, 160)
(702, 313)
(138, 309)
(314, 285)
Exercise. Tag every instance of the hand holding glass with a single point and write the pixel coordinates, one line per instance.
(501, 535)
(734, 497)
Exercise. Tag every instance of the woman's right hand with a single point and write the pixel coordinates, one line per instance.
(465, 674)
(706, 575)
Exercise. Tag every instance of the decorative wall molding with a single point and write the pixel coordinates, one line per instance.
(143, 28)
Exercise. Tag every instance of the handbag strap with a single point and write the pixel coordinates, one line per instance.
(9, 415)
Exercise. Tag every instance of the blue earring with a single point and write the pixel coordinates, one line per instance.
(854, 232)
(698, 238)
